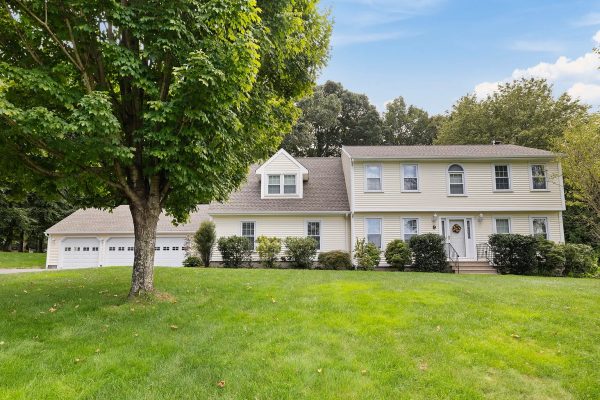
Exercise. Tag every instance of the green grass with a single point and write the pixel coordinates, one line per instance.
(289, 334)
(22, 260)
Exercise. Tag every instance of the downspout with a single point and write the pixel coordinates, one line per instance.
(352, 211)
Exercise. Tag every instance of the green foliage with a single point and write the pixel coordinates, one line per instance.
(429, 253)
(301, 251)
(336, 259)
(522, 112)
(581, 170)
(331, 117)
(366, 254)
(268, 248)
(235, 250)
(551, 258)
(514, 254)
(580, 261)
(410, 125)
(204, 240)
(398, 254)
(192, 262)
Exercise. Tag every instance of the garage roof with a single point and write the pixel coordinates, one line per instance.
(95, 221)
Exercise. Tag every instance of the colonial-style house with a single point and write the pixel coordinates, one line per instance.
(380, 193)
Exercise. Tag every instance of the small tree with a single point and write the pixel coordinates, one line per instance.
(235, 251)
(268, 248)
(301, 251)
(398, 254)
(204, 241)
(366, 254)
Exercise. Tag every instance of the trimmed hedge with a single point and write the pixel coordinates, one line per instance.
(428, 253)
(336, 259)
(268, 248)
(514, 254)
(580, 261)
(192, 262)
(367, 255)
(235, 251)
(551, 258)
(301, 251)
(398, 254)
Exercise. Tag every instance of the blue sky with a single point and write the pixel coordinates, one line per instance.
(432, 52)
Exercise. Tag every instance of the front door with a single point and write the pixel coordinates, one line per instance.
(457, 235)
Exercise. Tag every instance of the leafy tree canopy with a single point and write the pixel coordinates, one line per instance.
(160, 105)
(522, 112)
(408, 125)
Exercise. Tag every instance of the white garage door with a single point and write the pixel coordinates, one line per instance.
(118, 251)
(79, 252)
(169, 252)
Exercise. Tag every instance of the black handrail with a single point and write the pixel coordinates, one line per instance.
(453, 256)
(484, 251)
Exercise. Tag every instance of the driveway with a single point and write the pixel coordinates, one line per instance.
(22, 270)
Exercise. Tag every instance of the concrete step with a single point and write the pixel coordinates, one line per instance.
(474, 267)
(477, 272)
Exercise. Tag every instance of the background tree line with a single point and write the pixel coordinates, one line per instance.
(522, 112)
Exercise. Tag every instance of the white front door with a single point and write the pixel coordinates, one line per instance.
(457, 236)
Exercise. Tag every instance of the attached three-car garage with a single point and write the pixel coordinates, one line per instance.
(98, 238)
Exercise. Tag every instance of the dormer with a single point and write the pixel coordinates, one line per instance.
(282, 177)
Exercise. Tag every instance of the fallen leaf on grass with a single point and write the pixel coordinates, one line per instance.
(273, 300)
(77, 306)
(174, 327)
(438, 328)
(77, 360)
(136, 335)
(1, 343)
(25, 291)
(515, 336)
(363, 372)
(221, 384)
(52, 309)
(320, 370)
(423, 366)
(97, 350)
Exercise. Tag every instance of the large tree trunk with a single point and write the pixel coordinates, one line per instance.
(145, 220)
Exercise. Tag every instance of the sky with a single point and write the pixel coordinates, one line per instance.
(432, 52)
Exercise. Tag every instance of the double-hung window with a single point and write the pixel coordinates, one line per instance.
(410, 178)
(539, 227)
(313, 230)
(456, 179)
(501, 177)
(248, 232)
(281, 184)
(538, 177)
(410, 228)
(373, 175)
(502, 225)
(373, 227)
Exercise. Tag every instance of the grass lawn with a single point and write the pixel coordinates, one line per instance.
(22, 260)
(289, 334)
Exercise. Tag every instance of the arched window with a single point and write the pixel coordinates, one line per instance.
(456, 179)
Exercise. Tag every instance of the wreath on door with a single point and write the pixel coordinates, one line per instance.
(456, 228)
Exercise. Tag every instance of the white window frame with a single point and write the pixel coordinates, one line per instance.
(418, 189)
(380, 190)
(320, 231)
(403, 225)
(464, 175)
(282, 185)
(242, 232)
(366, 229)
(502, 217)
(531, 218)
(269, 184)
(545, 166)
(510, 185)
(295, 192)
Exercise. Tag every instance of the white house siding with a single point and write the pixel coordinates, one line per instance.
(520, 223)
(335, 231)
(280, 165)
(433, 195)
(347, 168)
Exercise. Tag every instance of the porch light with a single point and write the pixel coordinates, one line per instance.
(480, 218)
(434, 218)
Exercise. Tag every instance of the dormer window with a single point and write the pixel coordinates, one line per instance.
(284, 183)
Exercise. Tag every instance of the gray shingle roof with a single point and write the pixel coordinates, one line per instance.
(94, 221)
(447, 151)
(325, 191)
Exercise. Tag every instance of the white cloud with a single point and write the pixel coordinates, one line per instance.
(581, 75)
(586, 92)
(541, 46)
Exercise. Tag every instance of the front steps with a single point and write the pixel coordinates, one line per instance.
(474, 267)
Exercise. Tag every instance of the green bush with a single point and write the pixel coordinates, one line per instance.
(514, 254)
(580, 261)
(398, 254)
(301, 251)
(367, 255)
(336, 259)
(235, 250)
(192, 262)
(429, 253)
(268, 248)
(204, 240)
(550, 258)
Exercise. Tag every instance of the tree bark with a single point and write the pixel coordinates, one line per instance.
(145, 220)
